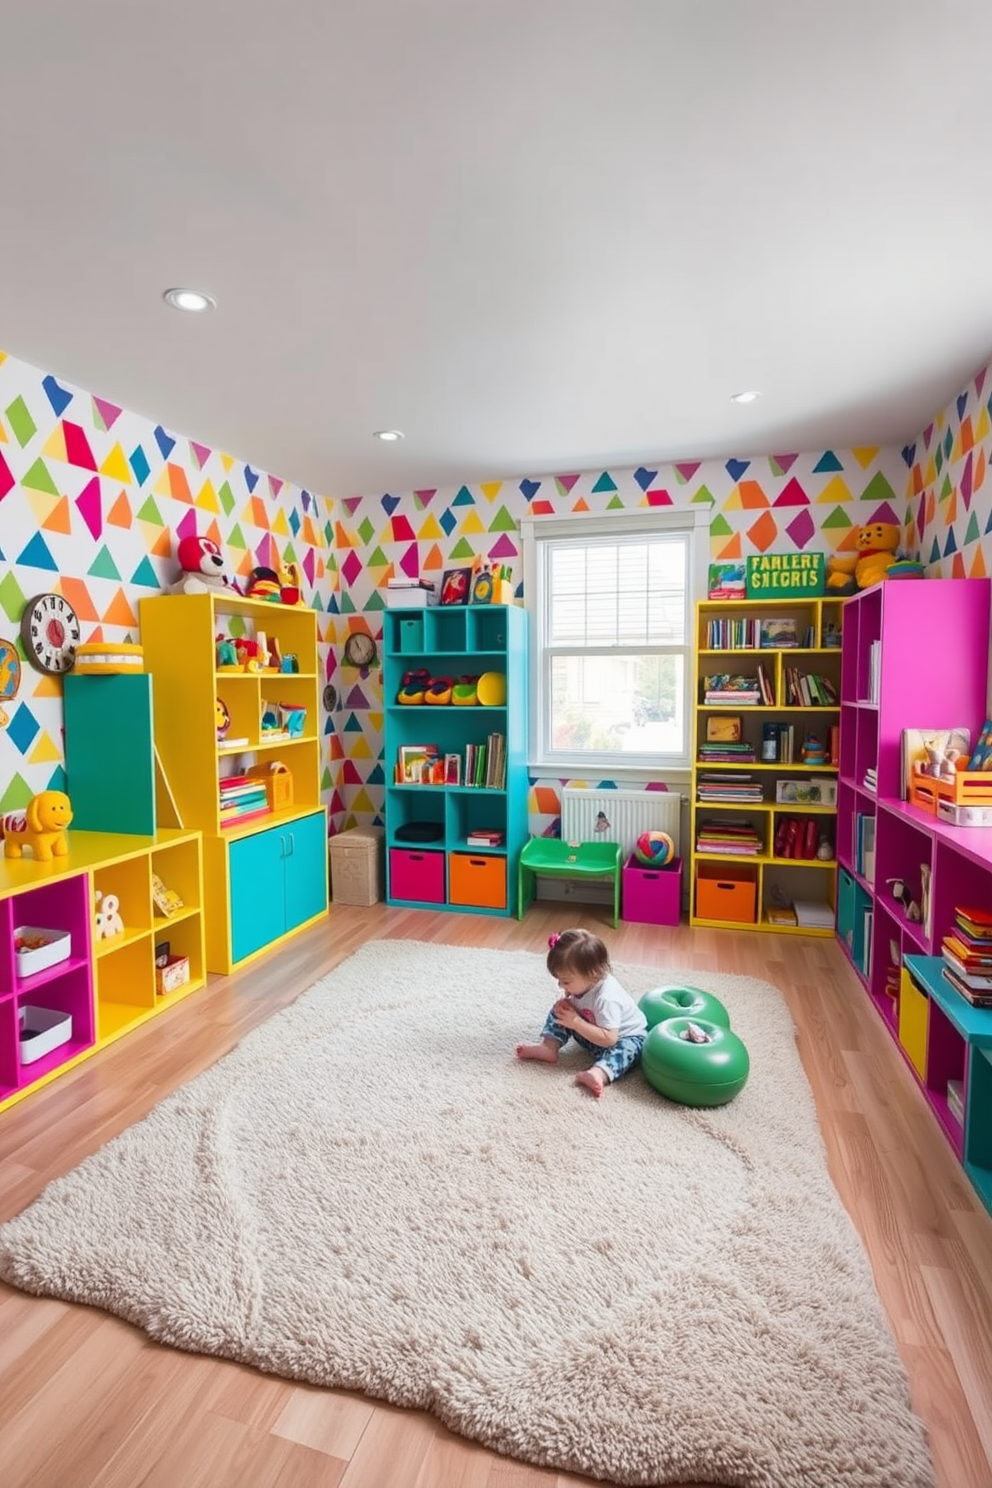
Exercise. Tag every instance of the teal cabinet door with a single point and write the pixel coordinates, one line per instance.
(258, 891)
(305, 867)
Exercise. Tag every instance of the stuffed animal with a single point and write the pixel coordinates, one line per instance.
(41, 827)
(878, 544)
(204, 568)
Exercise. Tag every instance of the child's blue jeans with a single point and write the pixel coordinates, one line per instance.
(614, 1062)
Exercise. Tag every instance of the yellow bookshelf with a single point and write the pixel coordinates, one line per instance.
(749, 889)
(266, 874)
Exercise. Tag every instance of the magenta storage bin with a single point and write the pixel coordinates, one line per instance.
(415, 873)
(652, 896)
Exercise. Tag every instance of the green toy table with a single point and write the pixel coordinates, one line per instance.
(556, 859)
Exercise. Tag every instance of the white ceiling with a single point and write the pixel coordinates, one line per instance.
(537, 235)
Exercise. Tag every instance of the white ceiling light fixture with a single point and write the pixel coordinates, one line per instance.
(389, 436)
(749, 397)
(193, 301)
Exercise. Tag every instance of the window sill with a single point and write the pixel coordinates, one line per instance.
(586, 769)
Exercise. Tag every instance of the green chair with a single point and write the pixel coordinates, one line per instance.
(556, 859)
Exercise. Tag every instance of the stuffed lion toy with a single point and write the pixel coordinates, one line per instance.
(878, 544)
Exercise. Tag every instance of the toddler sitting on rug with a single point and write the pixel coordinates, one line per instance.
(595, 1011)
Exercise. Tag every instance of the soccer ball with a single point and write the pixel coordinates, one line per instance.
(654, 849)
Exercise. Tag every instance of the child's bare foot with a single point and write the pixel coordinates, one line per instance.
(593, 1079)
(547, 1053)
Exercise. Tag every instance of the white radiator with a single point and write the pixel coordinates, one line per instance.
(618, 815)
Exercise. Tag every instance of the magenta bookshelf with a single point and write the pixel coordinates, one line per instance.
(915, 655)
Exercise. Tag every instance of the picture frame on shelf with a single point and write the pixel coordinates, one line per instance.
(456, 584)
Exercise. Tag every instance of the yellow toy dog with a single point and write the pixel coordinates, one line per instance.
(41, 827)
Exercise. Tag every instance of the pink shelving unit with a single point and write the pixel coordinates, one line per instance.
(66, 987)
(915, 654)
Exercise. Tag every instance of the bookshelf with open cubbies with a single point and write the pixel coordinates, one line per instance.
(106, 986)
(915, 656)
(745, 871)
(265, 860)
(451, 864)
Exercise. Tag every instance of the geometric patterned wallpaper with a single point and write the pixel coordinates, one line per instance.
(778, 503)
(93, 500)
(948, 512)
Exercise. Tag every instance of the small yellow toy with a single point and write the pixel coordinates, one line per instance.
(875, 554)
(42, 827)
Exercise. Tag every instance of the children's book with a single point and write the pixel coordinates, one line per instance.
(932, 752)
(779, 633)
(981, 755)
(727, 580)
(723, 729)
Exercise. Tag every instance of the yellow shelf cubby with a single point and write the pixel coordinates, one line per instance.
(735, 650)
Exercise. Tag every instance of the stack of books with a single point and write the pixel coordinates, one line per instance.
(721, 752)
(967, 954)
(808, 689)
(485, 837)
(797, 837)
(241, 798)
(743, 790)
(730, 839)
(725, 688)
(815, 915)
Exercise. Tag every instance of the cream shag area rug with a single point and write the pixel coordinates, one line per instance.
(372, 1192)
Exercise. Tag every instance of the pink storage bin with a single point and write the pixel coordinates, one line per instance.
(651, 896)
(417, 874)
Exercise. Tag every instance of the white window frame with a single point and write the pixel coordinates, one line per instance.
(535, 531)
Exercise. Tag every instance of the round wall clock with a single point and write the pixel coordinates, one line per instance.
(330, 698)
(359, 649)
(50, 633)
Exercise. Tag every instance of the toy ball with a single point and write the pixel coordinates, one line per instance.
(683, 1002)
(655, 849)
(695, 1062)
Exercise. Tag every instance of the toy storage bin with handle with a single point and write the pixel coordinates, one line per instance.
(727, 891)
(652, 896)
(477, 879)
(356, 866)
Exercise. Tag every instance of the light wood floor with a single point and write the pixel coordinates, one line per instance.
(88, 1402)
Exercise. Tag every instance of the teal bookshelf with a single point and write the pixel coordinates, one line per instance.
(430, 862)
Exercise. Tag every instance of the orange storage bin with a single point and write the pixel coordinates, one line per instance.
(477, 879)
(727, 891)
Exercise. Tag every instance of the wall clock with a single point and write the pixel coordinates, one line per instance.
(50, 633)
(359, 649)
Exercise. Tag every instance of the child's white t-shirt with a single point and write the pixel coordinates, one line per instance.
(609, 1006)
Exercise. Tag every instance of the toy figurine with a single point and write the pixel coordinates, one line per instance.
(204, 568)
(42, 827)
(813, 753)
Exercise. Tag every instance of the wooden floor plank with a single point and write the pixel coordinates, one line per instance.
(88, 1402)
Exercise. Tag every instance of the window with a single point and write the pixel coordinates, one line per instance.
(611, 642)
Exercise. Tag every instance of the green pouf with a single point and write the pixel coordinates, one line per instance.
(683, 1002)
(709, 1074)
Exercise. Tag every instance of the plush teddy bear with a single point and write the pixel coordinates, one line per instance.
(878, 544)
(204, 568)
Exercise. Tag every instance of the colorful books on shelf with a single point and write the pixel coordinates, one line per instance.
(796, 837)
(778, 744)
(808, 689)
(723, 688)
(241, 798)
(967, 953)
(741, 790)
(733, 635)
(731, 839)
(870, 780)
(726, 754)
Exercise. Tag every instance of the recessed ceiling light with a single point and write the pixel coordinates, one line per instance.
(751, 397)
(191, 300)
(389, 435)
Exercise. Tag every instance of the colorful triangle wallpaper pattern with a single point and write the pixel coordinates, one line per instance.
(948, 512)
(92, 502)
